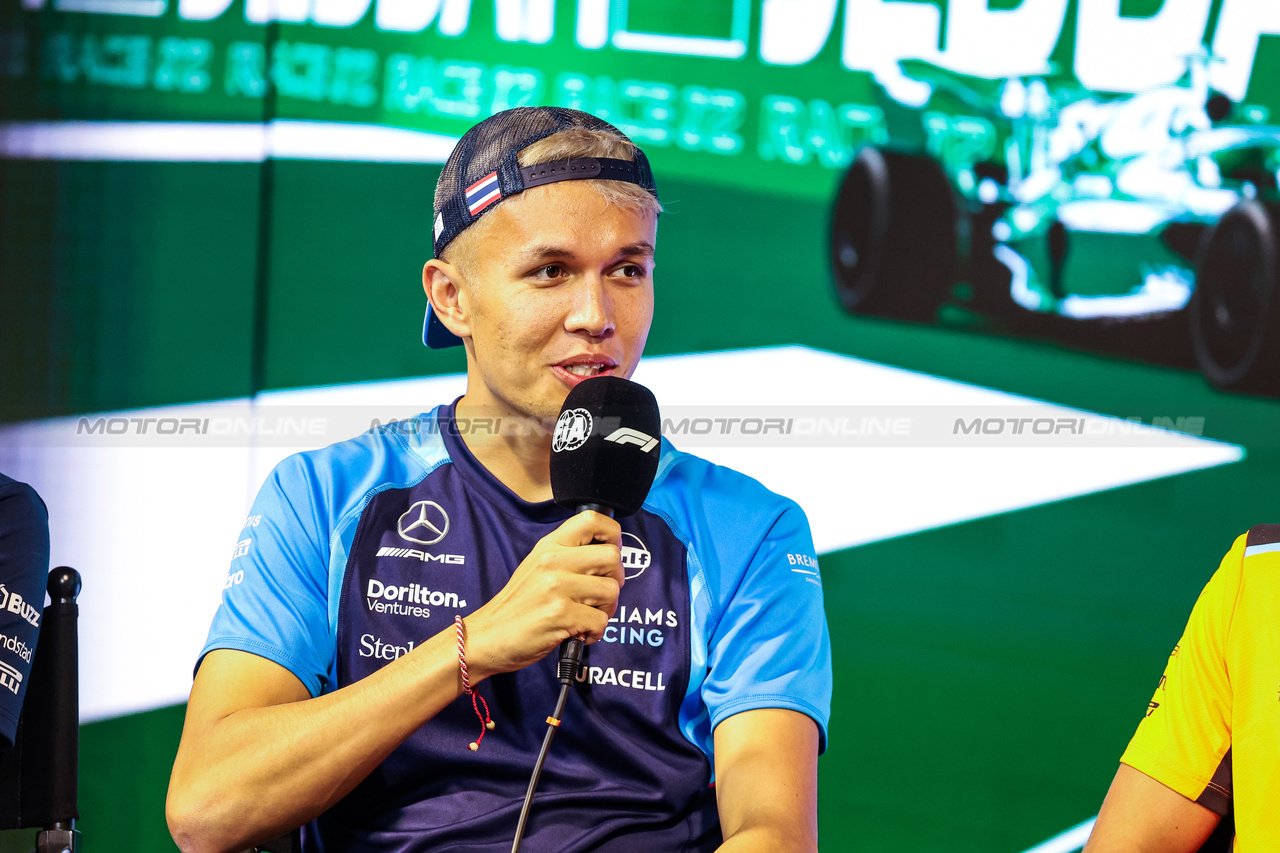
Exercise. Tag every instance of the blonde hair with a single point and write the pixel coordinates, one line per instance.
(463, 251)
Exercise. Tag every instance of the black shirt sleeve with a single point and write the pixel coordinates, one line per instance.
(24, 568)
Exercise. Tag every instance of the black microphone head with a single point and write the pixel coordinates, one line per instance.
(606, 445)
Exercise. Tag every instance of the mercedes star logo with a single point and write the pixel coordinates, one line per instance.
(426, 519)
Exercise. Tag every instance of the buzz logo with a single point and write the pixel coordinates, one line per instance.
(15, 603)
(635, 558)
(572, 430)
(242, 548)
(626, 435)
(10, 677)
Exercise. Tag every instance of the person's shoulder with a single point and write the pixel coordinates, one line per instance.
(21, 500)
(1250, 569)
(1258, 548)
(1259, 555)
(715, 485)
(723, 515)
(1262, 539)
(395, 452)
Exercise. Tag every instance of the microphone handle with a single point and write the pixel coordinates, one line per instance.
(571, 649)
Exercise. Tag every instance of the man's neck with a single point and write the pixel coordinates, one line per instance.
(511, 450)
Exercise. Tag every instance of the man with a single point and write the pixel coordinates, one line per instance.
(1210, 740)
(330, 692)
(24, 571)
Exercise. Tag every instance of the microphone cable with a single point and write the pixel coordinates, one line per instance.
(567, 672)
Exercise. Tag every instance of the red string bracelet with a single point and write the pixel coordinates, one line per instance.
(477, 701)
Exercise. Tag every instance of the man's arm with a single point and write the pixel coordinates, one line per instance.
(767, 781)
(1140, 815)
(259, 756)
(1180, 755)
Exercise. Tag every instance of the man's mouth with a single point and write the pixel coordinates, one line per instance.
(586, 369)
(575, 370)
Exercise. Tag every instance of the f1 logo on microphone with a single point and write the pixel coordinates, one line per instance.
(626, 435)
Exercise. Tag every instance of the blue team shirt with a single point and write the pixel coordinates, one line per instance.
(356, 553)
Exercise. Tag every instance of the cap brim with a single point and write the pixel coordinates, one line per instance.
(434, 333)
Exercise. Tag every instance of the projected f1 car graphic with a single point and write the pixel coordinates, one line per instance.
(1032, 204)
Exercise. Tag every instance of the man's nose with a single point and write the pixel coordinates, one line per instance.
(592, 309)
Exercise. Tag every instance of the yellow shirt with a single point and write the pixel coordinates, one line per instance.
(1212, 729)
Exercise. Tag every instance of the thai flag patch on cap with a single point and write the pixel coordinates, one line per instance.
(483, 193)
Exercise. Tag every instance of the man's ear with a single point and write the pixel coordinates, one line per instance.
(443, 285)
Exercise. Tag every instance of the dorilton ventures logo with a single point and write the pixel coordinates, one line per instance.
(408, 600)
(425, 522)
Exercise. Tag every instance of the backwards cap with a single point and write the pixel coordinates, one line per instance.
(484, 169)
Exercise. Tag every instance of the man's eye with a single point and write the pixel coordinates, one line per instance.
(549, 271)
(631, 271)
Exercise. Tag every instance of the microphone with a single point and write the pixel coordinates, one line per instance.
(604, 456)
(604, 451)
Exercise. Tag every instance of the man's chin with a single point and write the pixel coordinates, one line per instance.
(545, 406)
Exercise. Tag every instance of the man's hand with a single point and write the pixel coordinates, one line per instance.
(767, 781)
(1140, 815)
(567, 587)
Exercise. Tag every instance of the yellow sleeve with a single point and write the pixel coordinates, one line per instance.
(1184, 741)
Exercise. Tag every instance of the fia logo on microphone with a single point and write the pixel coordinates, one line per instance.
(572, 430)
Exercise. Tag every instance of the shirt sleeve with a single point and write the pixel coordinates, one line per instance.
(275, 597)
(1184, 741)
(770, 648)
(24, 569)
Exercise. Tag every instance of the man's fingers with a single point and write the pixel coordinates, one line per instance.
(600, 593)
(599, 559)
(585, 528)
(590, 623)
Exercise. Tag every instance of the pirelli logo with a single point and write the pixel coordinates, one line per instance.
(423, 556)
